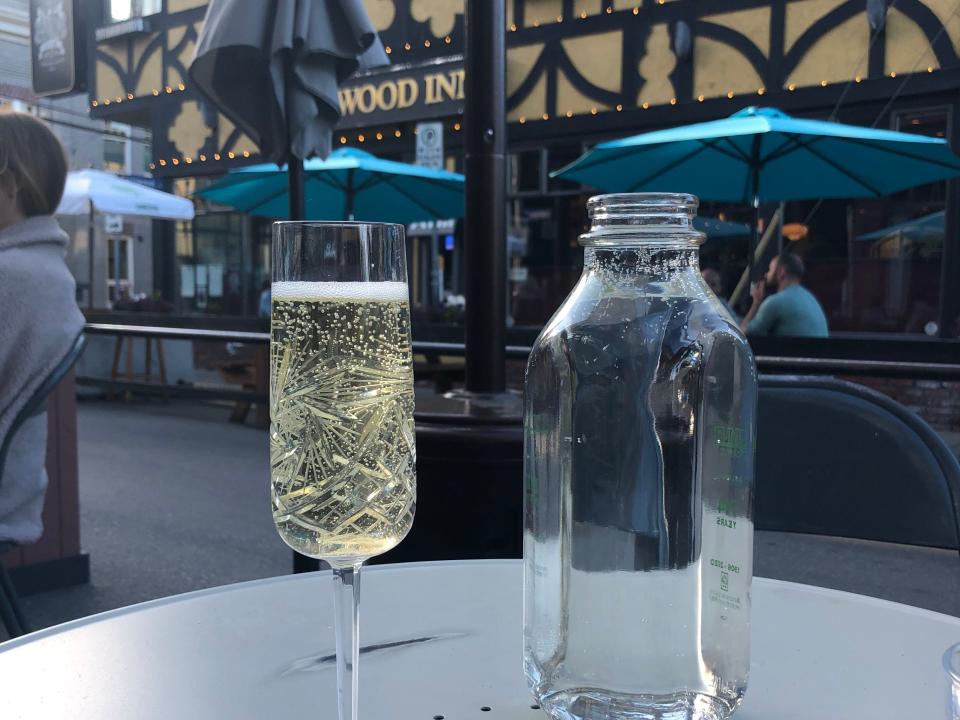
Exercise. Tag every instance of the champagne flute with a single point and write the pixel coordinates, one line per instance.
(342, 451)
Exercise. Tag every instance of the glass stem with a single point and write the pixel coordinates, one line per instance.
(346, 601)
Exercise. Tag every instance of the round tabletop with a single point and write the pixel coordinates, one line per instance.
(447, 642)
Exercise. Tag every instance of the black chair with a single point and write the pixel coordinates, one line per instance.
(836, 458)
(10, 611)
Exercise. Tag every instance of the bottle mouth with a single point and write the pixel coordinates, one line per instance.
(620, 218)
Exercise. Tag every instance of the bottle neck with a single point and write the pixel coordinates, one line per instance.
(648, 259)
(641, 234)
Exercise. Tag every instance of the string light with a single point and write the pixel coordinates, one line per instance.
(456, 126)
(231, 155)
(545, 116)
(791, 87)
(175, 161)
(568, 114)
(153, 166)
(119, 99)
(858, 79)
(609, 10)
(188, 160)
(106, 102)
(94, 103)
(636, 11)
(168, 89)
(203, 158)
(379, 136)
(522, 120)
(619, 108)
(536, 23)
(593, 111)
(181, 87)
(673, 101)
(730, 95)
(583, 15)
(448, 39)
(361, 138)
(930, 69)
(761, 91)
(388, 49)
(699, 98)
(396, 133)
(216, 156)
(343, 140)
(823, 83)
(406, 46)
(513, 28)
(163, 163)
(426, 43)
(893, 73)
(246, 153)
(559, 18)
(129, 96)
(645, 105)
(155, 92)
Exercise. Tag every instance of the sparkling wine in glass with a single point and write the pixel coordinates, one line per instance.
(342, 449)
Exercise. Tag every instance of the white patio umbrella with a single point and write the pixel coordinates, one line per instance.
(90, 191)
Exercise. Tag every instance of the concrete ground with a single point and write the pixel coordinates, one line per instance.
(174, 498)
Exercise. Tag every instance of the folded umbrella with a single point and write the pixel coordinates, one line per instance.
(273, 68)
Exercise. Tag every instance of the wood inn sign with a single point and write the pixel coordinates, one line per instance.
(588, 68)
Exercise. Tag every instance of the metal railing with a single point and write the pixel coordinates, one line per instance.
(774, 364)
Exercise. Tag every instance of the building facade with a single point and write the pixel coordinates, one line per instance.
(578, 72)
(123, 261)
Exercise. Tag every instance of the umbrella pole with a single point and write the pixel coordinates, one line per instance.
(295, 187)
(348, 197)
(485, 220)
(294, 163)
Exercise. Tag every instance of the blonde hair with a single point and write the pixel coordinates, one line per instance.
(33, 166)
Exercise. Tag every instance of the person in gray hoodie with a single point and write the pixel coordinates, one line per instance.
(39, 317)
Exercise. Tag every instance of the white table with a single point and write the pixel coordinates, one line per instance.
(249, 651)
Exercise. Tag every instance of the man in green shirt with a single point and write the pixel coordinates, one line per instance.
(793, 311)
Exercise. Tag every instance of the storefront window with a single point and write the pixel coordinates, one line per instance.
(215, 273)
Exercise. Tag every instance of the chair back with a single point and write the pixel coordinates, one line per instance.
(38, 401)
(836, 458)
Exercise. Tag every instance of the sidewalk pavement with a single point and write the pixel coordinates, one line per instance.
(172, 498)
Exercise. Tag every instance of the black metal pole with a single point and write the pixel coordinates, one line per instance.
(294, 164)
(485, 221)
(295, 187)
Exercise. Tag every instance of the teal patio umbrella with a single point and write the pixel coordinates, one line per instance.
(717, 228)
(927, 227)
(349, 184)
(762, 154)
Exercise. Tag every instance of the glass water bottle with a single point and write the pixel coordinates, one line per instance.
(638, 528)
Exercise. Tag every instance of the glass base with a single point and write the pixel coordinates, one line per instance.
(593, 704)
